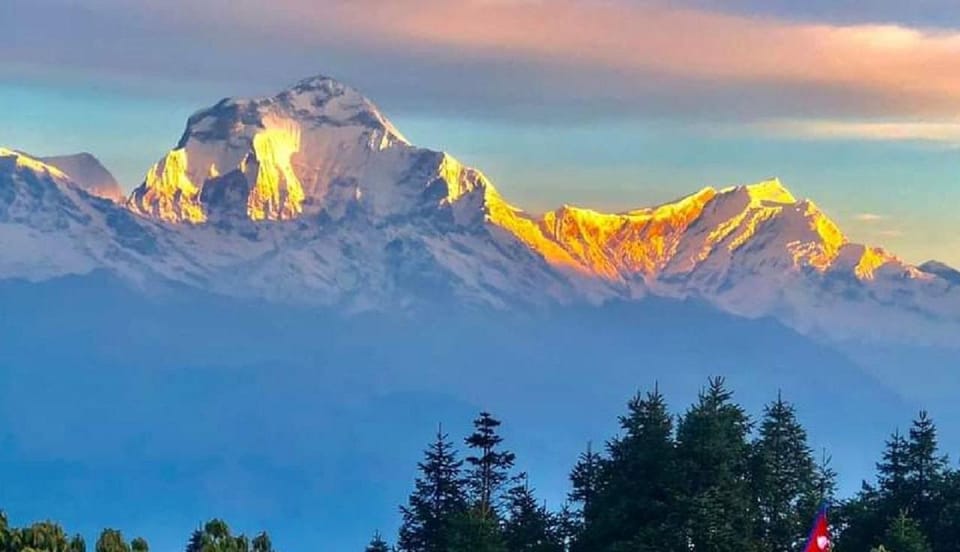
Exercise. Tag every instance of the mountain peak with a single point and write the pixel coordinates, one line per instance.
(21, 160)
(330, 100)
(943, 270)
(310, 147)
(766, 191)
(85, 170)
(318, 83)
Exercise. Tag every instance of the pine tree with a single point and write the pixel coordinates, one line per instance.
(474, 532)
(585, 478)
(824, 489)
(586, 481)
(488, 474)
(636, 505)
(905, 535)
(529, 526)
(867, 516)
(77, 544)
(714, 455)
(892, 474)
(377, 544)
(912, 496)
(925, 470)
(569, 526)
(262, 543)
(437, 502)
(860, 521)
(783, 477)
(821, 493)
(946, 536)
(489, 466)
(196, 542)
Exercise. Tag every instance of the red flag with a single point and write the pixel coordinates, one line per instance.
(820, 535)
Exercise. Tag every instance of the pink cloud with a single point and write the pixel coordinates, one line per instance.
(640, 53)
(917, 71)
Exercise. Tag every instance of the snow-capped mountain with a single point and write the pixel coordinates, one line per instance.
(942, 270)
(86, 171)
(313, 196)
(50, 227)
(317, 146)
(751, 250)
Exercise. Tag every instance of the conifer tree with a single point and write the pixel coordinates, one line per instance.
(77, 544)
(636, 504)
(586, 481)
(861, 522)
(529, 526)
(262, 543)
(139, 544)
(586, 478)
(946, 536)
(914, 483)
(868, 515)
(824, 488)
(925, 469)
(196, 542)
(377, 544)
(892, 474)
(474, 532)
(783, 477)
(713, 454)
(489, 466)
(569, 526)
(437, 502)
(487, 475)
(905, 535)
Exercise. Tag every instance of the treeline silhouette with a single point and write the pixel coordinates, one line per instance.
(710, 479)
(46, 536)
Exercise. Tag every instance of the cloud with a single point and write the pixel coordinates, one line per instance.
(869, 217)
(547, 60)
(928, 12)
(892, 68)
(940, 132)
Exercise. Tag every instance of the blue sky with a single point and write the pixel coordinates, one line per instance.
(612, 104)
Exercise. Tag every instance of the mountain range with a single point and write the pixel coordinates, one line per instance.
(271, 324)
(313, 197)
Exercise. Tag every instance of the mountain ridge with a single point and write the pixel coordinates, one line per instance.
(312, 195)
(89, 173)
(942, 270)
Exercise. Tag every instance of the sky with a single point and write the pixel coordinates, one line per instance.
(611, 104)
